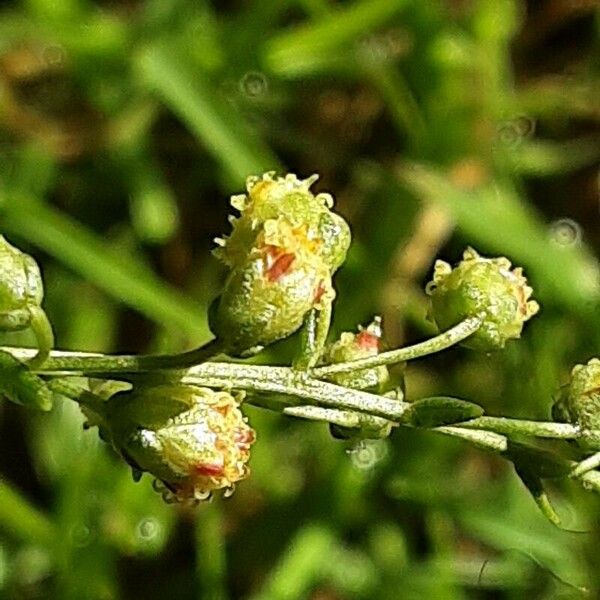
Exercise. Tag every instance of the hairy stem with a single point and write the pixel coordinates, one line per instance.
(84, 363)
(440, 342)
(542, 429)
(288, 382)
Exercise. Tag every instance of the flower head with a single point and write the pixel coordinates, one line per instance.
(485, 287)
(21, 287)
(192, 439)
(288, 199)
(282, 253)
(353, 346)
(579, 402)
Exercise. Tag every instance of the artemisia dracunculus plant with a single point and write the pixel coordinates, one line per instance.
(179, 417)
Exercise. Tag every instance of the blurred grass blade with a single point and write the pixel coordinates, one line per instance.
(541, 158)
(211, 560)
(21, 519)
(120, 276)
(293, 52)
(191, 96)
(301, 566)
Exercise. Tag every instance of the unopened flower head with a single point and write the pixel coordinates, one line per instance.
(192, 439)
(282, 253)
(21, 287)
(485, 287)
(580, 401)
(353, 346)
(288, 198)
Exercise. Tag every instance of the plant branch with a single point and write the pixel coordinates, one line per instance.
(542, 429)
(440, 342)
(87, 363)
(289, 382)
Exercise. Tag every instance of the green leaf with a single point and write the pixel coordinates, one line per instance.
(21, 386)
(534, 484)
(441, 410)
(123, 277)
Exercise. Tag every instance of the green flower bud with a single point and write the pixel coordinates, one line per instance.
(192, 439)
(20, 287)
(21, 294)
(282, 253)
(353, 346)
(580, 400)
(486, 287)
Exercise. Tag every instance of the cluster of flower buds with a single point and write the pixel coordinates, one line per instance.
(21, 295)
(354, 346)
(579, 402)
(192, 439)
(485, 287)
(281, 254)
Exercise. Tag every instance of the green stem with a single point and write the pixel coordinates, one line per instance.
(440, 342)
(84, 363)
(486, 440)
(40, 325)
(585, 466)
(287, 382)
(542, 429)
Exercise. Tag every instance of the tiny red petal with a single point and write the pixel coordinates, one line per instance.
(367, 340)
(319, 293)
(209, 469)
(244, 437)
(281, 265)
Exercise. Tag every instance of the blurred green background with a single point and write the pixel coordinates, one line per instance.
(124, 128)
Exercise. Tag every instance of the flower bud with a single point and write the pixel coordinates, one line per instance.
(580, 401)
(282, 253)
(192, 439)
(290, 199)
(21, 287)
(485, 287)
(353, 346)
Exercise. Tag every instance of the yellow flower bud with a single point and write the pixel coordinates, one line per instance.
(193, 439)
(282, 253)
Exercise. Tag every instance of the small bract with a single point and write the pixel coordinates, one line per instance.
(485, 287)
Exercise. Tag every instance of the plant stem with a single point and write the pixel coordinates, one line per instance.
(288, 382)
(542, 429)
(440, 342)
(486, 440)
(84, 363)
(44, 335)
